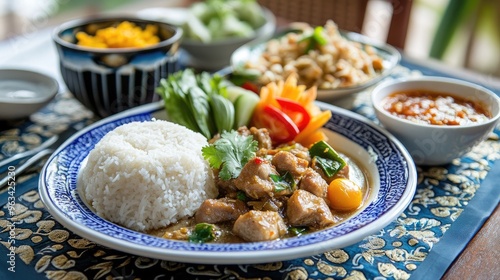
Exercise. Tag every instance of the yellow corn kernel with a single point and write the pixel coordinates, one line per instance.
(125, 35)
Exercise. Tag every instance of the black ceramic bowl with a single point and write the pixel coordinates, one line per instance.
(111, 80)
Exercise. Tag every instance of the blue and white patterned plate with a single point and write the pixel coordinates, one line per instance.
(388, 166)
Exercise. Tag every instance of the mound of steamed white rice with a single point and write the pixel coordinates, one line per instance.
(147, 175)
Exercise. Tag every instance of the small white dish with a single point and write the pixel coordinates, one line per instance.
(172, 15)
(23, 92)
(391, 174)
(437, 144)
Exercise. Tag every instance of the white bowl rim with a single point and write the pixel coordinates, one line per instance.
(176, 36)
(437, 79)
(26, 75)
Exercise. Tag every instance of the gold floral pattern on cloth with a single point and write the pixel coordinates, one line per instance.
(23, 135)
(43, 245)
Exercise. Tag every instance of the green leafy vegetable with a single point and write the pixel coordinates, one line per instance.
(244, 102)
(224, 119)
(327, 158)
(198, 101)
(240, 195)
(283, 183)
(297, 231)
(213, 20)
(203, 233)
(330, 167)
(230, 153)
(241, 75)
(176, 104)
(315, 39)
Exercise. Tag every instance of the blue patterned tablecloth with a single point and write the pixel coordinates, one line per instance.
(409, 246)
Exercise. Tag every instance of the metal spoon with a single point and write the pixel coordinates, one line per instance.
(45, 149)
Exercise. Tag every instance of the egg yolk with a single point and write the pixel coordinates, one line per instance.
(344, 195)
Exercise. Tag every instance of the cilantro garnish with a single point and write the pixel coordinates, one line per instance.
(230, 153)
(202, 233)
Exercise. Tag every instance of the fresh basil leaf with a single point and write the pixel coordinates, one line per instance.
(283, 183)
(330, 167)
(186, 79)
(327, 158)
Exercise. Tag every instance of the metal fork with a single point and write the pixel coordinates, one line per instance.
(34, 155)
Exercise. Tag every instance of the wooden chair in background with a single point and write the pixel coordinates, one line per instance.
(348, 14)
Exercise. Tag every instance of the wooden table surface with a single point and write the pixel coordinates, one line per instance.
(480, 258)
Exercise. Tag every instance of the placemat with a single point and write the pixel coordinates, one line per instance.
(41, 247)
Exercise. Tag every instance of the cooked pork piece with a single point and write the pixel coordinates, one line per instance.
(266, 204)
(254, 178)
(243, 130)
(306, 209)
(313, 182)
(261, 135)
(259, 226)
(220, 210)
(343, 173)
(225, 186)
(287, 162)
(299, 151)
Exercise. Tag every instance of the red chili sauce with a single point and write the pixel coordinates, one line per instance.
(435, 108)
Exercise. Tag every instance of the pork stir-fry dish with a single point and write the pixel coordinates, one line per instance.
(268, 193)
(321, 56)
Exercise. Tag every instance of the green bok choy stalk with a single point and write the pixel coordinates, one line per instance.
(198, 102)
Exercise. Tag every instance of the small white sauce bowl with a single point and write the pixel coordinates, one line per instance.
(23, 92)
(437, 144)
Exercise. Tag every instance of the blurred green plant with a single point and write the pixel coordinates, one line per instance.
(70, 5)
(470, 18)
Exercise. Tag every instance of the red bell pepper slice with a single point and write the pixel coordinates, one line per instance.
(250, 86)
(295, 111)
(281, 128)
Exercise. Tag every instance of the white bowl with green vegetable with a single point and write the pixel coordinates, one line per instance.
(214, 29)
